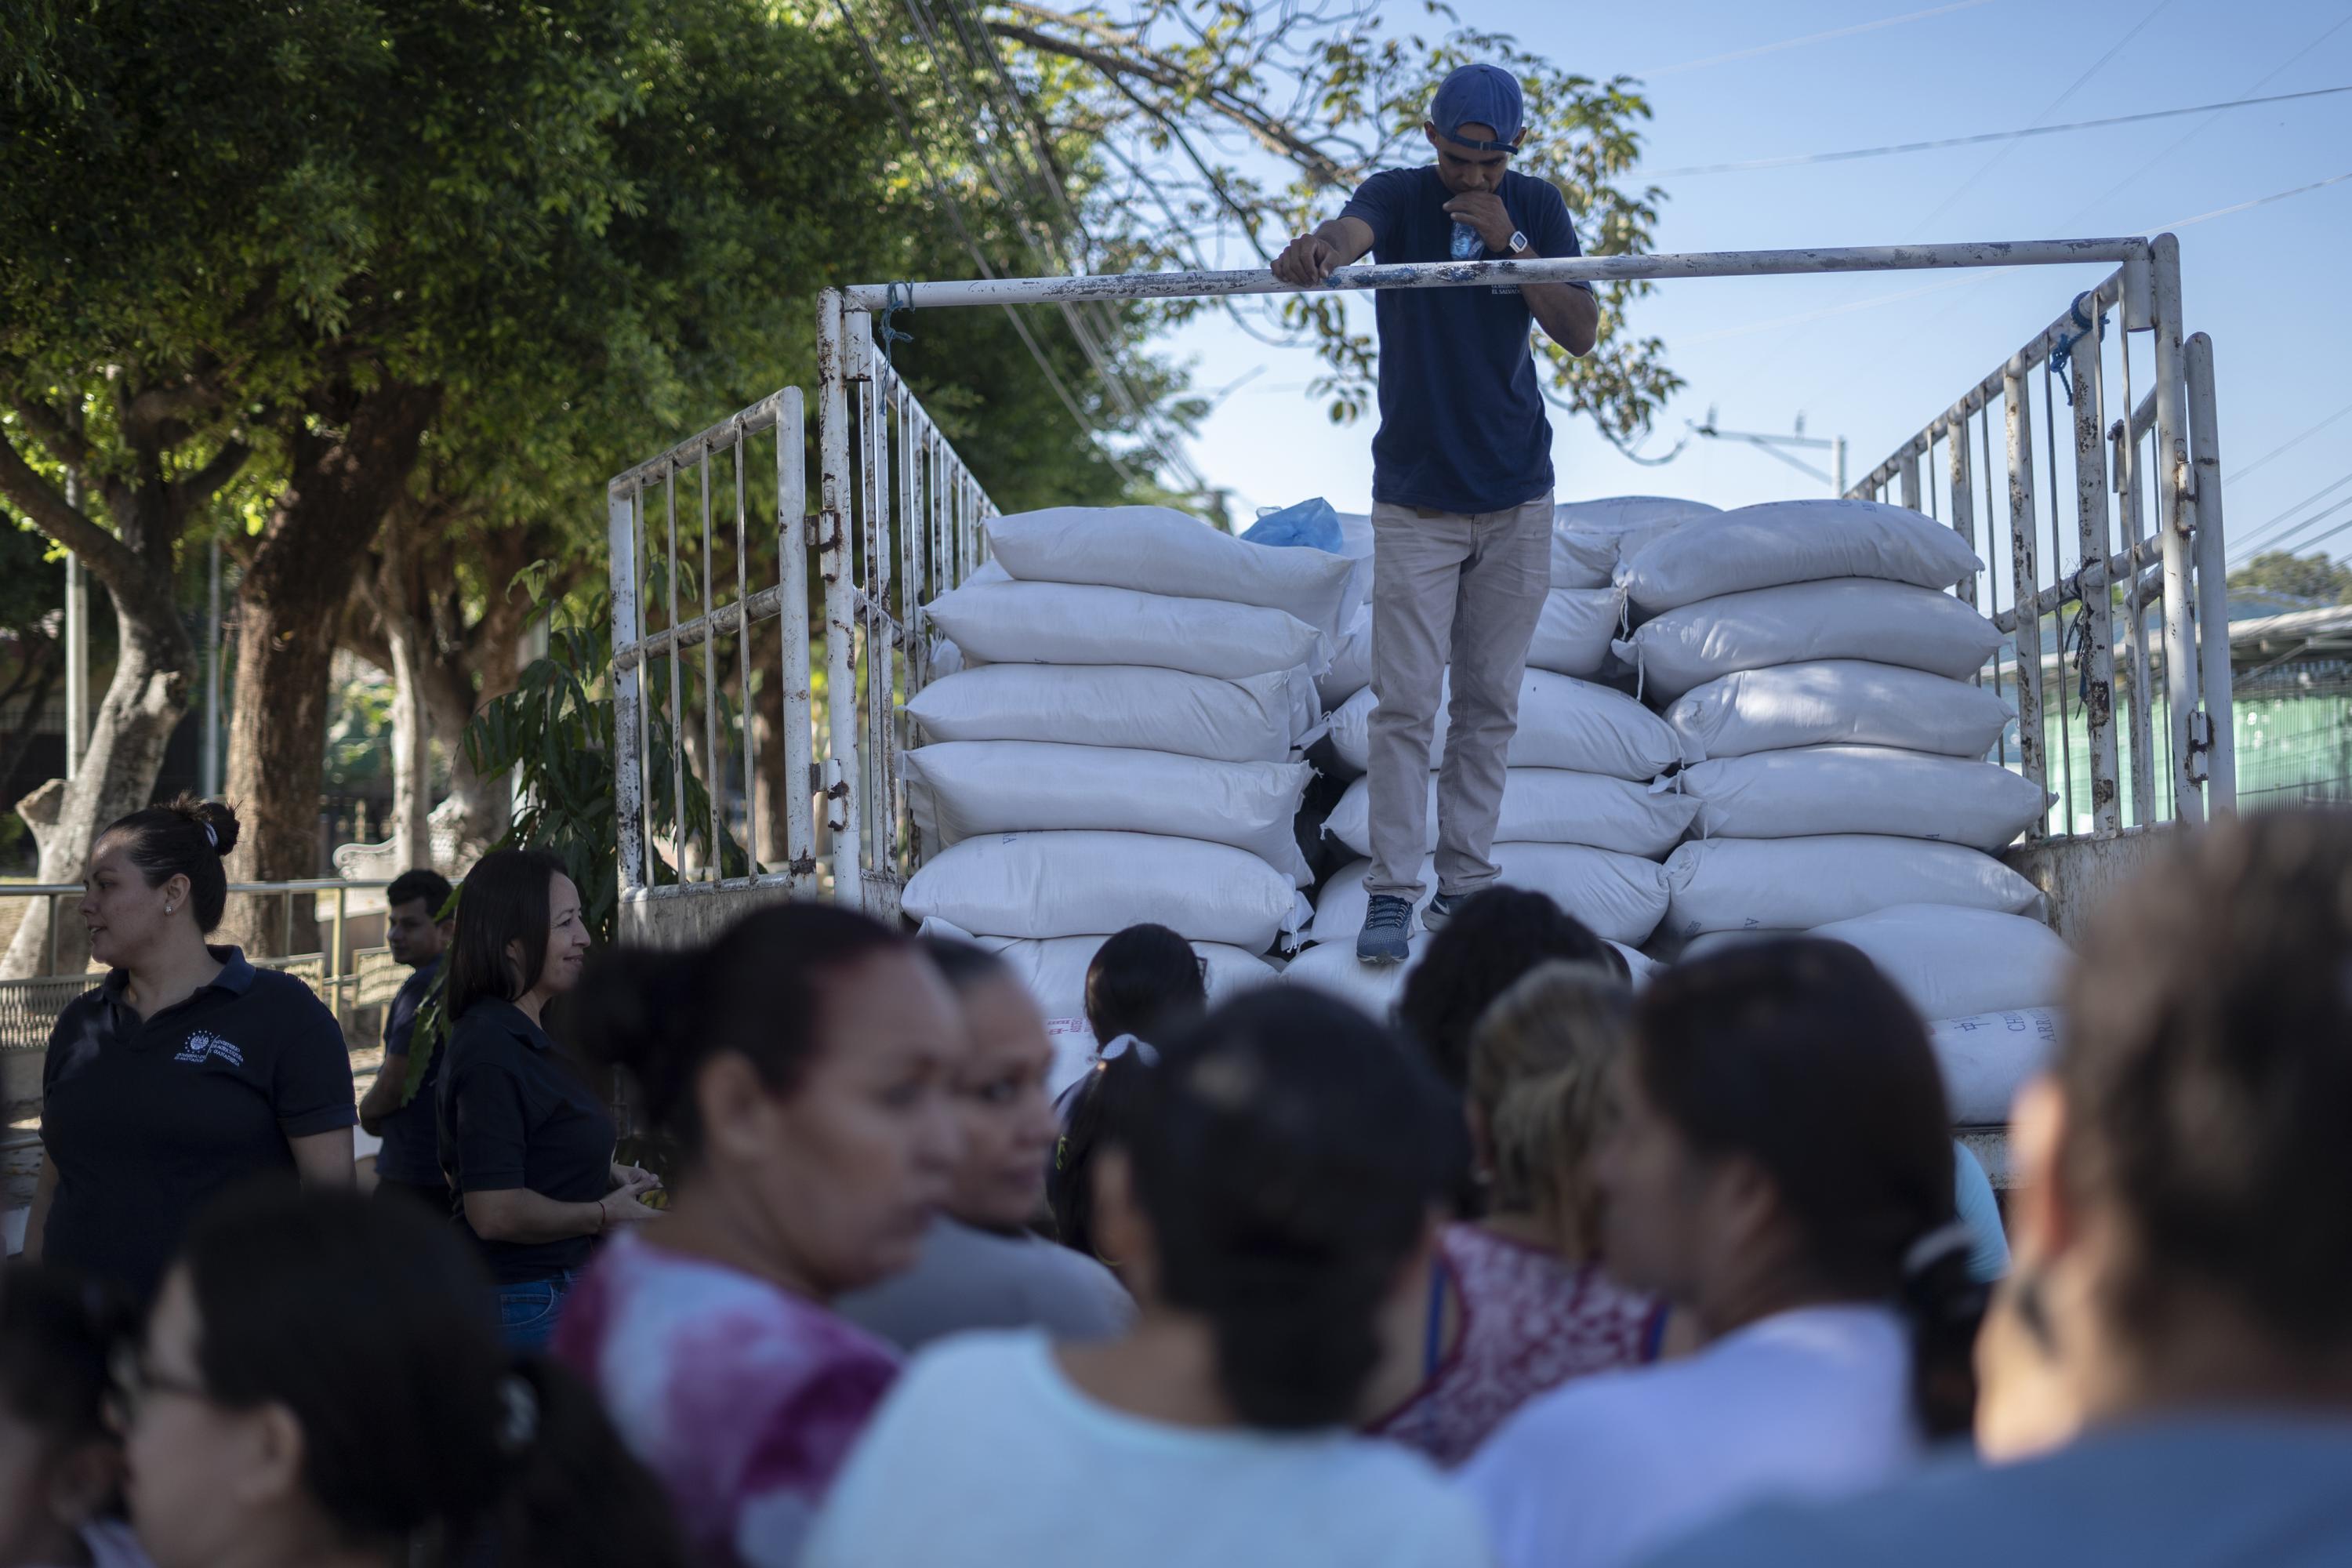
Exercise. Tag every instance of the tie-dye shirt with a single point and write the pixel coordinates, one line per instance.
(743, 1398)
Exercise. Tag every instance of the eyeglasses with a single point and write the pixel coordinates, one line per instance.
(134, 1383)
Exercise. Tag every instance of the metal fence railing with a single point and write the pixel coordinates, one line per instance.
(2118, 659)
(348, 980)
(898, 522)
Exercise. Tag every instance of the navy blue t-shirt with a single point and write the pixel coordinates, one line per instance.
(1462, 415)
(513, 1113)
(144, 1120)
(411, 1151)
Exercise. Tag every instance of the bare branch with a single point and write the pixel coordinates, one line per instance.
(1277, 135)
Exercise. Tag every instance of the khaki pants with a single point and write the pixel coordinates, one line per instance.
(1470, 588)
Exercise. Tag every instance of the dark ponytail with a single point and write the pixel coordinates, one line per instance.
(184, 837)
(1799, 1057)
(1146, 981)
(758, 992)
(374, 1326)
(1288, 1152)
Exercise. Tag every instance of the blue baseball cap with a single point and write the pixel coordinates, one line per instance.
(1479, 95)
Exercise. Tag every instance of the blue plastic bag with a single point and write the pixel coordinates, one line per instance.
(1312, 523)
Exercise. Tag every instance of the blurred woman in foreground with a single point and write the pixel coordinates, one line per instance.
(801, 1065)
(1272, 1200)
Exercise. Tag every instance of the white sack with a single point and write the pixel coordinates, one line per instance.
(1796, 884)
(1054, 971)
(1071, 884)
(1573, 633)
(1713, 941)
(1157, 550)
(1837, 701)
(1351, 666)
(1793, 541)
(1563, 723)
(1644, 967)
(1621, 897)
(1986, 1056)
(1332, 968)
(1066, 623)
(1890, 623)
(1817, 790)
(1247, 720)
(1600, 535)
(964, 789)
(1580, 559)
(1951, 963)
(1547, 806)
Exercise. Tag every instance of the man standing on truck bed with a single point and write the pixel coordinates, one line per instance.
(1461, 483)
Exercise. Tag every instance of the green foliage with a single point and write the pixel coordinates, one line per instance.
(2313, 577)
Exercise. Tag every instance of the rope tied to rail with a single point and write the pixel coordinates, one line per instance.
(2076, 643)
(896, 296)
(2062, 355)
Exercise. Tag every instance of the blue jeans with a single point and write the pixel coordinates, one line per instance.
(528, 1312)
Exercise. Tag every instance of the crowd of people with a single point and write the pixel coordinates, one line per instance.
(1543, 1270)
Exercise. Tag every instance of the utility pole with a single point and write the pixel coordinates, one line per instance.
(211, 779)
(1775, 446)
(77, 645)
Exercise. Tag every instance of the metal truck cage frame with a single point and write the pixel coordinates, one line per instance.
(898, 520)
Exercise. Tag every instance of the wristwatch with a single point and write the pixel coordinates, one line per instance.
(1519, 246)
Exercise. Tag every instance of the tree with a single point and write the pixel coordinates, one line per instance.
(2313, 577)
(32, 590)
(1203, 133)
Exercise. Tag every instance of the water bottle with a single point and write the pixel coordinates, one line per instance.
(1466, 244)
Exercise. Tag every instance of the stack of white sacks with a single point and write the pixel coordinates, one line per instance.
(1583, 818)
(1812, 666)
(1122, 744)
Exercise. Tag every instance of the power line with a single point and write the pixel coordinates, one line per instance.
(1980, 138)
(1004, 109)
(2272, 75)
(2253, 538)
(2284, 448)
(1858, 27)
(2309, 541)
(2048, 110)
(2257, 202)
(963, 231)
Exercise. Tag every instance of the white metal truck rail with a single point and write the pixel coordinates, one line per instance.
(898, 516)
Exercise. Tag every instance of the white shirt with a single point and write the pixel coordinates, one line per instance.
(1601, 1472)
(986, 1456)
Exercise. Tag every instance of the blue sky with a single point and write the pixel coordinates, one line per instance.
(1873, 357)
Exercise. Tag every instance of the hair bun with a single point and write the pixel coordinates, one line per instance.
(219, 824)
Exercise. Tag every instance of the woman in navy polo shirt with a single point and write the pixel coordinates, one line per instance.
(526, 1143)
(186, 1069)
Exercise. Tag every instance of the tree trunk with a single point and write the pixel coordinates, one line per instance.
(342, 481)
(412, 747)
(155, 659)
(396, 593)
(144, 704)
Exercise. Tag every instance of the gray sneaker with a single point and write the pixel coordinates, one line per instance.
(1440, 911)
(1388, 925)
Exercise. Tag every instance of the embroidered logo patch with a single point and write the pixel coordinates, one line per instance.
(204, 1046)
